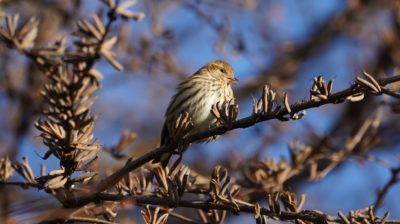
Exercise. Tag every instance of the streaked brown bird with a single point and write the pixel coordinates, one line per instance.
(196, 95)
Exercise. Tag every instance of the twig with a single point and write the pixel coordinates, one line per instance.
(21, 184)
(391, 93)
(77, 219)
(385, 189)
(179, 216)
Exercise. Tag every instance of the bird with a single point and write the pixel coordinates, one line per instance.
(196, 95)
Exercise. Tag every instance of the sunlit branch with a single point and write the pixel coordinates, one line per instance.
(246, 122)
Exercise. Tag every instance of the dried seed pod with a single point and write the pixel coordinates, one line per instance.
(266, 99)
(330, 86)
(368, 85)
(127, 138)
(286, 103)
(300, 203)
(126, 14)
(162, 178)
(320, 90)
(225, 113)
(215, 110)
(356, 97)
(6, 170)
(385, 218)
(56, 172)
(257, 106)
(180, 129)
(373, 81)
(56, 182)
(343, 218)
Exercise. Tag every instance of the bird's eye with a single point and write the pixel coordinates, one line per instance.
(222, 70)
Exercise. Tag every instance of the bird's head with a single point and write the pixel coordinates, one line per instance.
(221, 70)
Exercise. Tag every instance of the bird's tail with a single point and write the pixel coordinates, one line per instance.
(164, 157)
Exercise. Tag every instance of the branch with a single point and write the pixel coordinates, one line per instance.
(385, 189)
(21, 184)
(312, 216)
(242, 123)
(77, 220)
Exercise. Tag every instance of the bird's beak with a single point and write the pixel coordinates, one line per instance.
(233, 80)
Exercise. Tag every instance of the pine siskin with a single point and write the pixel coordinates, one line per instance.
(196, 95)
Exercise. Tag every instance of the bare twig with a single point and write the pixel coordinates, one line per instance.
(395, 178)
